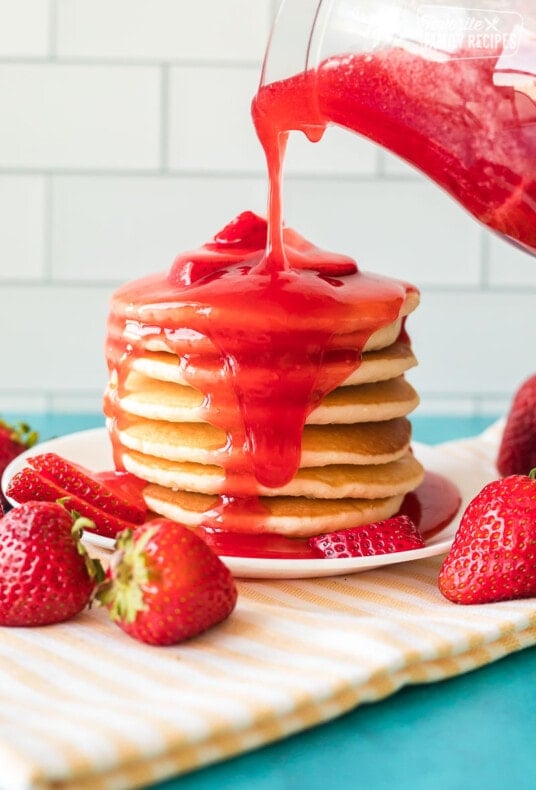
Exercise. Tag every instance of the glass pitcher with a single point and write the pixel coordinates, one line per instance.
(449, 88)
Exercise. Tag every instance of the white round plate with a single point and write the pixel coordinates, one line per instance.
(469, 463)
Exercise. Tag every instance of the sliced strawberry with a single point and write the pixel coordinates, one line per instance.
(28, 485)
(382, 537)
(79, 482)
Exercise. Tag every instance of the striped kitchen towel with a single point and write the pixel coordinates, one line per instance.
(84, 707)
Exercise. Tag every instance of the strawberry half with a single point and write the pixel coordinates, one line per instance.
(381, 537)
(79, 482)
(493, 556)
(165, 585)
(46, 576)
(28, 485)
(517, 451)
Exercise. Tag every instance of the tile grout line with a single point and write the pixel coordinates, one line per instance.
(485, 251)
(53, 30)
(72, 172)
(111, 62)
(47, 231)
(164, 118)
(380, 171)
(79, 393)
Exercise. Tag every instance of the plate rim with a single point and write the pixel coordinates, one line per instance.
(255, 567)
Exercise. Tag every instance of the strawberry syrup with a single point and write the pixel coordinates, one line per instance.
(431, 507)
(266, 325)
(276, 341)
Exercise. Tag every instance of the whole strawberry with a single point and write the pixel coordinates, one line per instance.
(165, 585)
(493, 557)
(517, 451)
(14, 439)
(45, 574)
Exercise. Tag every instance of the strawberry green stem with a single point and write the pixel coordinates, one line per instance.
(129, 574)
(21, 432)
(93, 565)
(532, 474)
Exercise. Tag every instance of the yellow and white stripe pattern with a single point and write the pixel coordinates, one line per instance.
(85, 707)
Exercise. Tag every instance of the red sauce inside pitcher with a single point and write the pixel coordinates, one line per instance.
(466, 121)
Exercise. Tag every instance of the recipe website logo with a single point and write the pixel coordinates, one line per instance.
(435, 30)
(470, 32)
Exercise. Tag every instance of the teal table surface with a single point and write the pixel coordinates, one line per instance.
(472, 732)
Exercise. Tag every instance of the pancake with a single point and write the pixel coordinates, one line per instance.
(355, 464)
(165, 400)
(362, 443)
(128, 318)
(381, 400)
(336, 481)
(222, 377)
(291, 516)
(385, 363)
(193, 344)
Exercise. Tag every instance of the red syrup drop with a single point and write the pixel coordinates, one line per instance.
(431, 507)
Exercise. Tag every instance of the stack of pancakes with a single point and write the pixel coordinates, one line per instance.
(356, 464)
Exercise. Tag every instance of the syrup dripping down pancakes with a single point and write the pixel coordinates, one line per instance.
(260, 401)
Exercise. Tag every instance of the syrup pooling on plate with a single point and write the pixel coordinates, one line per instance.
(431, 507)
(277, 340)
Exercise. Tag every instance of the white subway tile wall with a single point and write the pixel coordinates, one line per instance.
(57, 116)
(223, 31)
(22, 227)
(210, 127)
(24, 28)
(116, 228)
(126, 137)
(407, 229)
